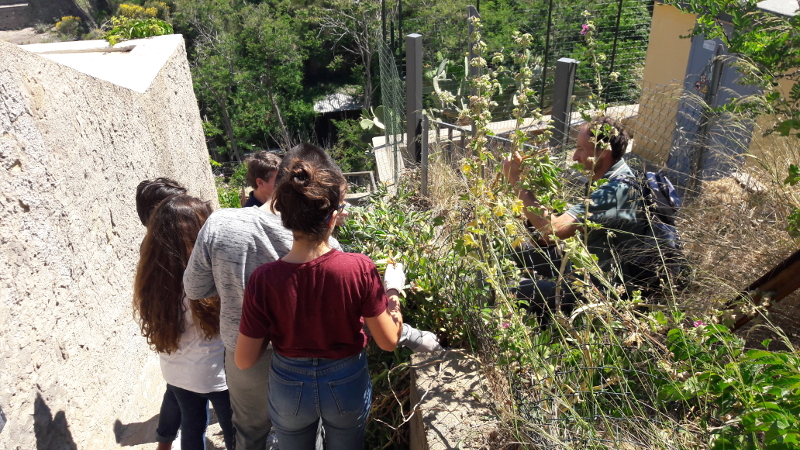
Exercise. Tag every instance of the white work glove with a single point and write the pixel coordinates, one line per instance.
(419, 341)
(394, 278)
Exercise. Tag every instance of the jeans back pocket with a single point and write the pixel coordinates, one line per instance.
(284, 395)
(352, 394)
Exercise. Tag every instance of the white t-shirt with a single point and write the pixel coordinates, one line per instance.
(199, 364)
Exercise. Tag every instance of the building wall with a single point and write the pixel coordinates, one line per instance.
(773, 152)
(74, 370)
(664, 71)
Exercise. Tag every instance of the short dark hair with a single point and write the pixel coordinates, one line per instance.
(261, 165)
(310, 189)
(605, 135)
(150, 193)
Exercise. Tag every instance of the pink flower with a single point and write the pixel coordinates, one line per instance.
(698, 323)
(506, 324)
(584, 28)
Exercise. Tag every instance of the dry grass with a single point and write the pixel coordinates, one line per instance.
(735, 230)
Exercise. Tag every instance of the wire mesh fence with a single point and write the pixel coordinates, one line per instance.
(622, 29)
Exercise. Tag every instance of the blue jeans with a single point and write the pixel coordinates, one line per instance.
(303, 390)
(169, 418)
(194, 417)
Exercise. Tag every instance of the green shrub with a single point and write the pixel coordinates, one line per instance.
(350, 152)
(229, 191)
(68, 26)
(124, 28)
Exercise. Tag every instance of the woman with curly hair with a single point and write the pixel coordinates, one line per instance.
(185, 333)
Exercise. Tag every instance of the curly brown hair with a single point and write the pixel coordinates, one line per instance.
(158, 286)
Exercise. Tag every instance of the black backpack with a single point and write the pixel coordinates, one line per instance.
(656, 253)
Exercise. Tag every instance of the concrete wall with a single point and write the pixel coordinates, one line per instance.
(662, 82)
(18, 14)
(74, 371)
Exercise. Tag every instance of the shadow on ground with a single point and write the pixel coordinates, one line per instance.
(52, 433)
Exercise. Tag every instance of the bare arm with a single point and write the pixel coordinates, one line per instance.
(563, 226)
(385, 329)
(248, 351)
(198, 278)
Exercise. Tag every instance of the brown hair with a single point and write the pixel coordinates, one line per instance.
(149, 193)
(261, 165)
(158, 286)
(309, 192)
(614, 135)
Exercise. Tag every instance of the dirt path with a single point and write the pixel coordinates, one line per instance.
(25, 36)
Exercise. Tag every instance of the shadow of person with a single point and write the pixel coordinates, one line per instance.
(52, 433)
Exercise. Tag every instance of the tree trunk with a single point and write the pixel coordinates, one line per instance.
(226, 121)
(367, 59)
(287, 140)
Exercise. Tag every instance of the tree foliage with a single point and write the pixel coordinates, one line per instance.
(354, 27)
(247, 63)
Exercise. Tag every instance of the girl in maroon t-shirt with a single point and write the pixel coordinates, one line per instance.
(312, 305)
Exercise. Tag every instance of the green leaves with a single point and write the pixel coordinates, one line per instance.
(124, 28)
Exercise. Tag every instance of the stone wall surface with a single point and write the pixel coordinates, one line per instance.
(74, 370)
(451, 402)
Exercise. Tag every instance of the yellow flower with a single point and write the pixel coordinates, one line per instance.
(469, 240)
(499, 210)
(511, 228)
(517, 207)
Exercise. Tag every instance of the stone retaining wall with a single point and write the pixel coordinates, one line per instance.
(452, 404)
(74, 370)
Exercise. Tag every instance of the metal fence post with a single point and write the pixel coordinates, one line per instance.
(700, 153)
(614, 48)
(425, 132)
(413, 96)
(562, 99)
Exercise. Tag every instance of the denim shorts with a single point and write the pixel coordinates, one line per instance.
(303, 390)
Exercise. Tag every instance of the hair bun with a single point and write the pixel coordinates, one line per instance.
(301, 175)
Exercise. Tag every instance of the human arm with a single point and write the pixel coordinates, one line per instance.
(562, 226)
(253, 326)
(382, 315)
(385, 329)
(198, 278)
(248, 351)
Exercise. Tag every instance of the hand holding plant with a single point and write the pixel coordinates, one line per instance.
(512, 168)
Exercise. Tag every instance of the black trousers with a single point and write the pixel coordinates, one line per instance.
(539, 296)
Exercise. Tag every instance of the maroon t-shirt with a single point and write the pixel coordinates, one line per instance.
(314, 309)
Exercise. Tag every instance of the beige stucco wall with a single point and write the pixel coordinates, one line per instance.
(664, 71)
(773, 152)
(74, 371)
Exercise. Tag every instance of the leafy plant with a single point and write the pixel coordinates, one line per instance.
(124, 28)
(751, 398)
(229, 190)
(350, 152)
(68, 26)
